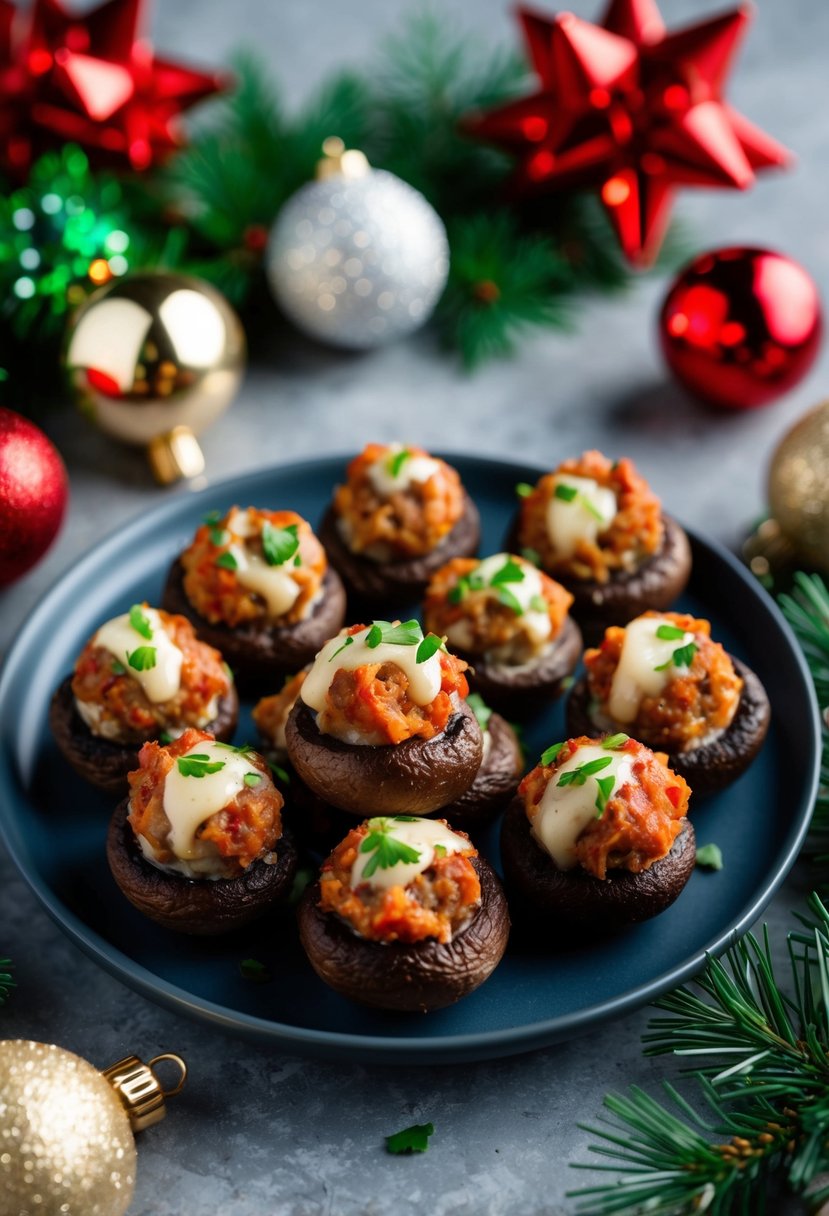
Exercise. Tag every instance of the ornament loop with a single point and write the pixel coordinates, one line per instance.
(140, 1089)
(171, 1055)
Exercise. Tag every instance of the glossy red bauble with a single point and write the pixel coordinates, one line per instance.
(740, 327)
(33, 494)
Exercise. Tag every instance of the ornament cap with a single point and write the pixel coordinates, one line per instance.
(339, 161)
(140, 1090)
(174, 455)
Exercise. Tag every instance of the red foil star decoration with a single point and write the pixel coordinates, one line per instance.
(632, 109)
(92, 79)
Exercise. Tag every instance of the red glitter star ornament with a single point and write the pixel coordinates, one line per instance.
(629, 108)
(92, 79)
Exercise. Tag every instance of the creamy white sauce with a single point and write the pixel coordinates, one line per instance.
(637, 676)
(415, 470)
(190, 801)
(565, 811)
(274, 584)
(420, 834)
(160, 682)
(568, 523)
(424, 678)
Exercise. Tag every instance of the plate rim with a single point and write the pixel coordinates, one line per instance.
(373, 1048)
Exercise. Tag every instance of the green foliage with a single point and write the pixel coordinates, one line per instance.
(6, 980)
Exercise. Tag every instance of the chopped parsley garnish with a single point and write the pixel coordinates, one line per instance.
(551, 754)
(538, 603)
(531, 555)
(578, 776)
(430, 645)
(143, 658)
(165, 737)
(681, 657)
(407, 633)
(252, 778)
(244, 750)
(198, 764)
(465, 584)
(573, 494)
(440, 850)
(605, 785)
(506, 597)
(510, 572)
(411, 1140)
(212, 518)
(279, 544)
(565, 493)
(227, 561)
(279, 772)
(117, 668)
(349, 641)
(614, 742)
(709, 857)
(524, 489)
(218, 537)
(385, 849)
(480, 709)
(670, 633)
(252, 969)
(140, 622)
(395, 462)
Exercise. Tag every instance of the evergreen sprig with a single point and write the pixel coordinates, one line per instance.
(6, 979)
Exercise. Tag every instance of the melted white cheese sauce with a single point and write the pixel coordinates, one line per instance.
(160, 682)
(414, 471)
(190, 801)
(420, 834)
(274, 584)
(571, 522)
(565, 811)
(636, 676)
(424, 678)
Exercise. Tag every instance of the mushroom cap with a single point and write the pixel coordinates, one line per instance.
(528, 688)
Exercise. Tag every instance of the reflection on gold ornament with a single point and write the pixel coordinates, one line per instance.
(66, 1130)
(153, 359)
(799, 487)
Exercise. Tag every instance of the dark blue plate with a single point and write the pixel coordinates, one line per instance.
(55, 826)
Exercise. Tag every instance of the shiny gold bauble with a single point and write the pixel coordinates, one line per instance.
(799, 487)
(154, 358)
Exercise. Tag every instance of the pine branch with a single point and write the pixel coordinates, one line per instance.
(6, 979)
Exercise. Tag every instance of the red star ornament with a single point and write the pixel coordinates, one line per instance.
(629, 108)
(92, 79)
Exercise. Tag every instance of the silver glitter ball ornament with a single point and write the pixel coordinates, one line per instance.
(358, 258)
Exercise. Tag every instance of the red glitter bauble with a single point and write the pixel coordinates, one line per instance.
(33, 494)
(740, 327)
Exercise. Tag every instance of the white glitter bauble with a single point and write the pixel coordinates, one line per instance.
(357, 262)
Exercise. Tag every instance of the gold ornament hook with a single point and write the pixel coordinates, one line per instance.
(140, 1090)
(339, 161)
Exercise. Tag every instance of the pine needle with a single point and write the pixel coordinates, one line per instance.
(6, 979)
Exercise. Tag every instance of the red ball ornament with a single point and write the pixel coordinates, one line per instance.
(33, 494)
(740, 327)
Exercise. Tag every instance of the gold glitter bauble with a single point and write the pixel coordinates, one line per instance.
(154, 358)
(66, 1146)
(799, 487)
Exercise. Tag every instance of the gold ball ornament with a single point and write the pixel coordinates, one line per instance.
(66, 1129)
(153, 359)
(798, 487)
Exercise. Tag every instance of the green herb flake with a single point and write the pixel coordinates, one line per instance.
(524, 489)
(140, 622)
(227, 561)
(165, 738)
(440, 850)
(587, 505)
(280, 773)
(279, 544)
(459, 591)
(251, 969)
(117, 668)
(252, 779)
(709, 857)
(349, 641)
(396, 462)
(385, 849)
(506, 597)
(143, 658)
(411, 1139)
(510, 572)
(218, 537)
(605, 785)
(198, 764)
(480, 709)
(578, 776)
(430, 645)
(670, 633)
(538, 603)
(211, 518)
(551, 754)
(531, 555)
(407, 633)
(565, 493)
(682, 657)
(613, 743)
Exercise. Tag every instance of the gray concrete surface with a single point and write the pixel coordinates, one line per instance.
(259, 1132)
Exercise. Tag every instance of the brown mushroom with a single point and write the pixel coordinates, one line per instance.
(522, 690)
(409, 778)
(392, 584)
(104, 763)
(260, 652)
(713, 765)
(196, 906)
(579, 899)
(410, 977)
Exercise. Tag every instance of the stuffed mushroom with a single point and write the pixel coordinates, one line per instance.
(198, 846)
(257, 585)
(142, 675)
(597, 527)
(398, 517)
(405, 916)
(665, 680)
(510, 622)
(381, 724)
(598, 835)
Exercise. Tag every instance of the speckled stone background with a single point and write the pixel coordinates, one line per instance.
(255, 1131)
